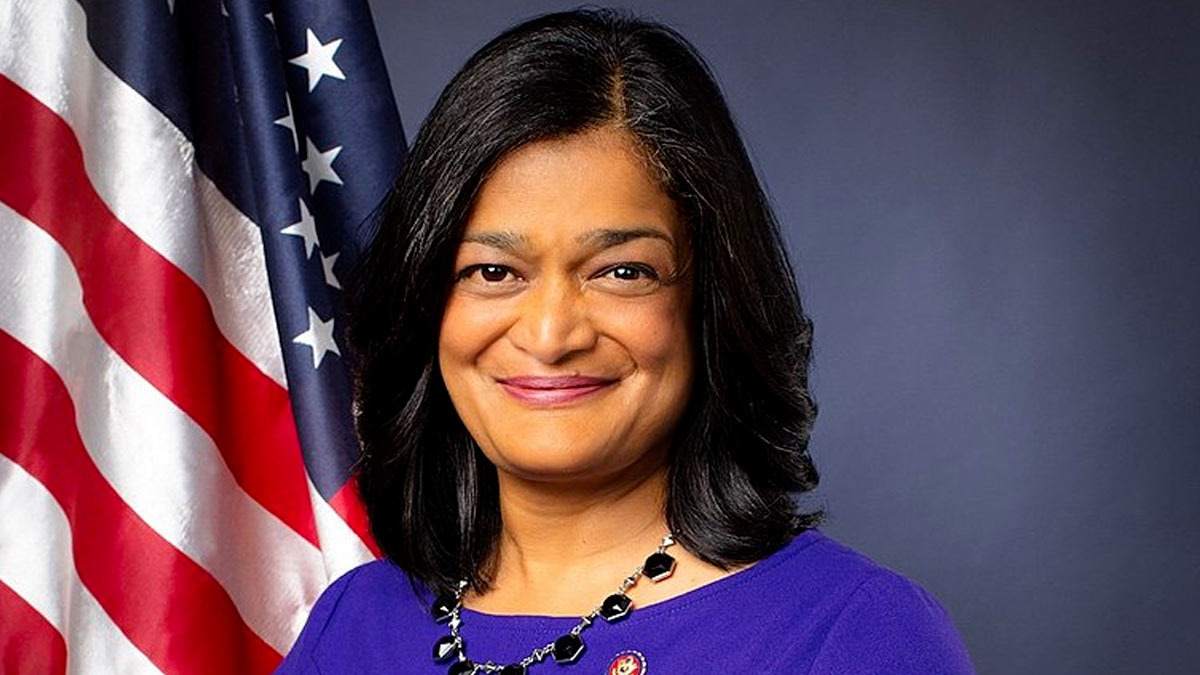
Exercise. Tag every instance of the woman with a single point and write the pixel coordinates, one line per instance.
(582, 394)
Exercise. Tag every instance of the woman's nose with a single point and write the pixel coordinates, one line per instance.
(553, 322)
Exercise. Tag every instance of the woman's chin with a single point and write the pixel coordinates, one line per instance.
(550, 468)
(555, 464)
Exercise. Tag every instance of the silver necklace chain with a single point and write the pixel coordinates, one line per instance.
(658, 566)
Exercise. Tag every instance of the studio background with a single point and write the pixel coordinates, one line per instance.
(994, 213)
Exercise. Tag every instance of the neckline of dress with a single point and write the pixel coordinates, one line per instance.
(674, 603)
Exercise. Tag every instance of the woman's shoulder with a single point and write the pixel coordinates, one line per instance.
(357, 612)
(816, 570)
(377, 587)
(861, 616)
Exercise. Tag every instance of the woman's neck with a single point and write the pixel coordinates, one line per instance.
(563, 548)
(561, 539)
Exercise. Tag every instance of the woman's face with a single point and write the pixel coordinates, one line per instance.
(565, 342)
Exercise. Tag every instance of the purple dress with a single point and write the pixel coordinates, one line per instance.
(815, 606)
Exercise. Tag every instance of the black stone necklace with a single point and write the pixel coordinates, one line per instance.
(565, 649)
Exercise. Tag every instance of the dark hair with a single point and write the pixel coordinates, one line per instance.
(741, 451)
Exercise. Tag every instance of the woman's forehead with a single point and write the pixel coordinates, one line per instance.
(593, 184)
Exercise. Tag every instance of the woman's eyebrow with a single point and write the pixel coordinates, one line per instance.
(507, 240)
(607, 238)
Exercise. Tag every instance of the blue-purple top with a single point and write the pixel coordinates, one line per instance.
(815, 606)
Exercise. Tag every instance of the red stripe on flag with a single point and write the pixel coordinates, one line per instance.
(347, 504)
(151, 313)
(170, 607)
(29, 645)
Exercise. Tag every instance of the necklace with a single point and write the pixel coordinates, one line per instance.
(567, 648)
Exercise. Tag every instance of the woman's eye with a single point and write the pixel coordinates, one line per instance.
(631, 272)
(493, 272)
(487, 273)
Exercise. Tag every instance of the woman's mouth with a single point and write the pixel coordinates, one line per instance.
(543, 390)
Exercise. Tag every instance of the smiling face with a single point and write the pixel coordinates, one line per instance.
(565, 341)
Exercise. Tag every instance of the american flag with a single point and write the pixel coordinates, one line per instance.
(183, 189)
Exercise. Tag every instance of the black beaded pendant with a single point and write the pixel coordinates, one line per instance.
(443, 607)
(568, 648)
(616, 607)
(658, 566)
(445, 647)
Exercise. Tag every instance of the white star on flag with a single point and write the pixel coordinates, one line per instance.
(318, 60)
(306, 229)
(327, 263)
(319, 337)
(319, 165)
(289, 123)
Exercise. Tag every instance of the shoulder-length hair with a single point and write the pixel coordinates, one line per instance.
(741, 451)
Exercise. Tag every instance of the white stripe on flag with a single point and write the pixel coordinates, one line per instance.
(340, 545)
(155, 456)
(142, 167)
(37, 563)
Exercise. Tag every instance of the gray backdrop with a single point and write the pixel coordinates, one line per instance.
(994, 210)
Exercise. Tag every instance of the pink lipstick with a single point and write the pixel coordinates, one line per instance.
(551, 391)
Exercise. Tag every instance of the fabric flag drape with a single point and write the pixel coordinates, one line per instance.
(183, 188)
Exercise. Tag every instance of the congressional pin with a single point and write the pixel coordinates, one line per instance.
(628, 662)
